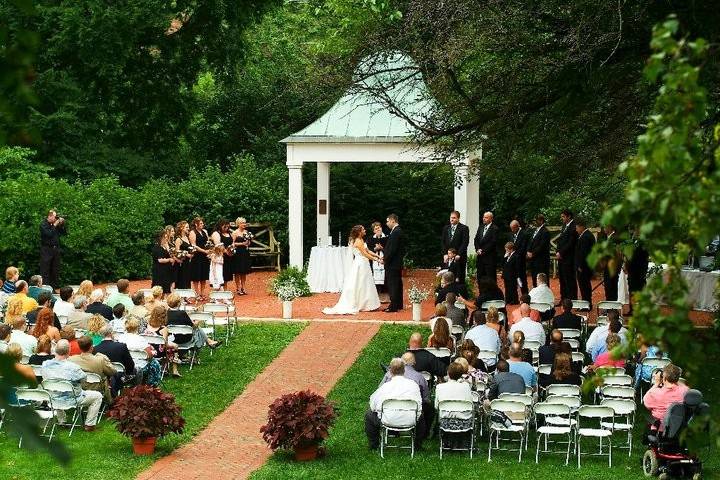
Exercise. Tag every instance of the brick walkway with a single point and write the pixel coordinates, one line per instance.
(231, 446)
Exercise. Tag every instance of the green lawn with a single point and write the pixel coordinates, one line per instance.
(203, 393)
(348, 452)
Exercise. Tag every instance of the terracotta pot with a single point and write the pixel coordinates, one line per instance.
(144, 446)
(306, 452)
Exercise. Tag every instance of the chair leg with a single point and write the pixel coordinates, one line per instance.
(383, 438)
(567, 454)
(490, 445)
(537, 448)
(522, 437)
(441, 441)
(610, 452)
(577, 444)
(412, 444)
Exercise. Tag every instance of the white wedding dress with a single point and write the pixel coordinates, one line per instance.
(358, 291)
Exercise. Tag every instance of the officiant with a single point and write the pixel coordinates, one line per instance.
(457, 236)
(376, 243)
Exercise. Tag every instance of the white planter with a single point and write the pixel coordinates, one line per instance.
(417, 312)
(287, 308)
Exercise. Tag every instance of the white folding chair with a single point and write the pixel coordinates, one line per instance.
(655, 363)
(35, 398)
(119, 367)
(227, 298)
(64, 399)
(219, 308)
(390, 410)
(605, 371)
(205, 318)
(573, 403)
(435, 319)
(564, 390)
(570, 333)
(189, 347)
(63, 319)
(617, 392)
(618, 380)
(609, 305)
(147, 292)
(158, 341)
(595, 414)
(541, 306)
(517, 412)
(499, 304)
(531, 344)
(573, 342)
(487, 355)
(185, 294)
(25, 360)
(544, 369)
(601, 321)
(457, 330)
(37, 370)
(139, 357)
(578, 357)
(562, 427)
(448, 409)
(581, 305)
(441, 352)
(624, 409)
(96, 382)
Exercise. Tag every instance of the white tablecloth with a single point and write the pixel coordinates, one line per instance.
(701, 287)
(327, 267)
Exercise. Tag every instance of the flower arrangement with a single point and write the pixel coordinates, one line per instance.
(290, 276)
(298, 420)
(287, 292)
(417, 294)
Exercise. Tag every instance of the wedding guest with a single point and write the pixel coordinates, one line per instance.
(5, 332)
(543, 294)
(566, 244)
(96, 307)
(12, 275)
(42, 351)
(441, 338)
(150, 372)
(157, 326)
(518, 338)
(547, 352)
(483, 336)
(98, 364)
(117, 324)
(21, 291)
(156, 299)
(44, 300)
(139, 310)
(567, 319)
(561, 374)
(516, 315)
(121, 296)
(665, 391)
(200, 264)
(182, 246)
(440, 313)
(79, 317)
(115, 352)
(538, 254)
(222, 236)
(519, 237)
(44, 325)
(447, 285)
(376, 244)
(455, 314)
(456, 236)
(469, 351)
(18, 335)
(522, 368)
(424, 360)
(511, 274)
(14, 310)
(96, 323)
(63, 307)
(492, 317)
(486, 249)
(85, 289)
(532, 329)
(181, 317)
(606, 359)
(68, 333)
(163, 262)
(15, 352)
(36, 286)
(242, 238)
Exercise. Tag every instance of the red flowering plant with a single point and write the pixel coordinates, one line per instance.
(145, 412)
(298, 419)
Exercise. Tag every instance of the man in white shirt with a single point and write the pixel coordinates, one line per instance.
(398, 388)
(484, 337)
(63, 307)
(595, 344)
(542, 293)
(18, 335)
(533, 331)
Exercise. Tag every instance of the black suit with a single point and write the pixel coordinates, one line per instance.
(566, 264)
(459, 241)
(637, 268)
(521, 240)
(50, 251)
(427, 362)
(511, 272)
(610, 277)
(100, 308)
(180, 317)
(539, 246)
(117, 352)
(457, 268)
(585, 243)
(393, 258)
(567, 320)
(487, 242)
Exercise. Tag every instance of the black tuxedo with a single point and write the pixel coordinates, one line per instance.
(610, 278)
(117, 352)
(539, 246)
(521, 240)
(566, 264)
(567, 320)
(585, 243)
(637, 268)
(393, 257)
(511, 272)
(459, 241)
(487, 261)
(457, 268)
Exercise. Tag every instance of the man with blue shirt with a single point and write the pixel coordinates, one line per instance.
(484, 337)
(524, 369)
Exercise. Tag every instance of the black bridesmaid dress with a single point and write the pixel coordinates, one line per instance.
(162, 273)
(184, 269)
(200, 263)
(229, 261)
(242, 260)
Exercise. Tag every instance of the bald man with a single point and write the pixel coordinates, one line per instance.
(486, 240)
(520, 239)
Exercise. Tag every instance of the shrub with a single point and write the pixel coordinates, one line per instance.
(145, 412)
(298, 419)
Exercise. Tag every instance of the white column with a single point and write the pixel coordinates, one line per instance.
(322, 208)
(295, 215)
(467, 199)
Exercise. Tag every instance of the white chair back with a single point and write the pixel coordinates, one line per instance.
(595, 411)
(570, 333)
(37, 370)
(610, 305)
(523, 398)
(147, 292)
(440, 352)
(205, 317)
(531, 344)
(572, 402)
(582, 305)
(493, 303)
(119, 367)
(34, 395)
(399, 407)
(610, 371)
(552, 409)
(545, 369)
(619, 380)
(602, 320)
(541, 306)
(613, 391)
(578, 357)
(451, 408)
(656, 362)
(222, 295)
(564, 390)
(180, 329)
(487, 355)
(185, 293)
(621, 406)
(573, 342)
(93, 378)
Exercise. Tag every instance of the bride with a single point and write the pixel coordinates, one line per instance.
(358, 292)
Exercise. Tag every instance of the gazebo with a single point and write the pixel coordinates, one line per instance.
(361, 128)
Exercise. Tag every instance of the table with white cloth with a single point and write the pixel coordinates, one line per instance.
(701, 288)
(327, 267)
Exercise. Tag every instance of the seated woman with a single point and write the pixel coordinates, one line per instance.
(44, 325)
(180, 317)
(519, 338)
(644, 372)
(469, 351)
(156, 326)
(14, 309)
(139, 310)
(68, 333)
(85, 289)
(42, 351)
(562, 373)
(95, 323)
(150, 373)
(493, 321)
(156, 299)
(605, 359)
(15, 352)
(441, 338)
(454, 389)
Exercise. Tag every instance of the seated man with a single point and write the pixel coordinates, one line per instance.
(21, 291)
(665, 391)
(27, 342)
(118, 321)
(63, 307)
(399, 388)
(79, 317)
(60, 368)
(447, 285)
(596, 342)
(516, 315)
(97, 307)
(411, 374)
(524, 369)
(567, 319)
(121, 296)
(484, 337)
(93, 363)
(455, 314)
(116, 352)
(5, 332)
(505, 381)
(424, 360)
(547, 352)
(542, 293)
(533, 330)
(35, 287)
(44, 300)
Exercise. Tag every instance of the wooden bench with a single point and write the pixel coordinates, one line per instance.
(264, 244)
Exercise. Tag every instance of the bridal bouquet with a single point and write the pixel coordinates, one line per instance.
(417, 294)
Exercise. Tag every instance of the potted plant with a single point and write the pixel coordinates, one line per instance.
(408, 265)
(299, 421)
(145, 413)
(287, 292)
(417, 295)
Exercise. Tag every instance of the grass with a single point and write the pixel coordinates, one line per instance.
(203, 394)
(347, 449)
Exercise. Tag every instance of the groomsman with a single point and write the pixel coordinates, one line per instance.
(612, 265)
(456, 235)
(511, 274)
(486, 249)
(520, 239)
(393, 260)
(566, 256)
(585, 243)
(538, 252)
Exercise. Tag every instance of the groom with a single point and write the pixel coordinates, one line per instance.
(393, 260)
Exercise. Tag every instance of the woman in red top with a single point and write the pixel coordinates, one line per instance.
(605, 359)
(68, 333)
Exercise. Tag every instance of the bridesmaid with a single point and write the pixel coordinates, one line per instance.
(170, 232)
(200, 264)
(162, 262)
(182, 244)
(241, 240)
(222, 235)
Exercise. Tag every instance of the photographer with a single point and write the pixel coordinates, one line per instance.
(50, 230)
